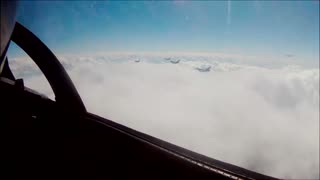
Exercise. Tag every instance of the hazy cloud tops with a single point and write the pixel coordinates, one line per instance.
(265, 119)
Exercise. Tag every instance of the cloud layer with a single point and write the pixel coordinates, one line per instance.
(260, 118)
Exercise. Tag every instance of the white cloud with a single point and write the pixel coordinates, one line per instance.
(263, 119)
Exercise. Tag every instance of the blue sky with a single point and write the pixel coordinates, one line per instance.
(246, 27)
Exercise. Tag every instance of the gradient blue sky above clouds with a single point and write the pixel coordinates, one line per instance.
(248, 27)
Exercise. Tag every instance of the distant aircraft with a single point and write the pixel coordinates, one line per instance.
(289, 55)
(137, 60)
(175, 61)
(204, 68)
